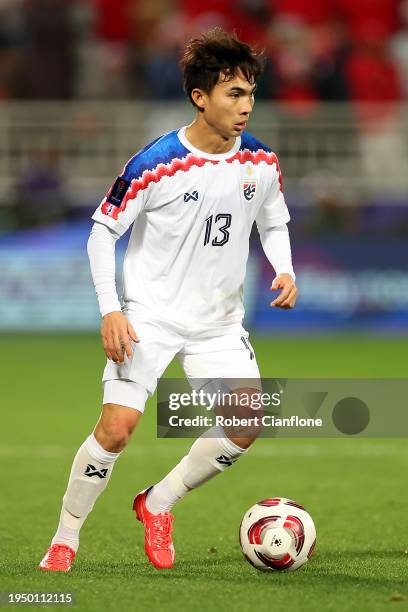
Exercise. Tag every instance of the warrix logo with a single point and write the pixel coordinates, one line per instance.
(92, 471)
(191, 196)
(224, 460)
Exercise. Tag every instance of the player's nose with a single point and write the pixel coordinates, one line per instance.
(246, 109)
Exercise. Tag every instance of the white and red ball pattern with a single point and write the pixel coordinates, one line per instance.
(277, 534)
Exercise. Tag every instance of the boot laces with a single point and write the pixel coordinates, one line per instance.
(162, 529)
(60, 553)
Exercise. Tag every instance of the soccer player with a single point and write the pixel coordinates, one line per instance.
(191, 197)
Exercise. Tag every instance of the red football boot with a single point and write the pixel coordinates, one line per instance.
(58, 558)
(158, 527)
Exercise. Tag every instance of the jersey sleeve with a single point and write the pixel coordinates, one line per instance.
(123, 203)
(273, 211)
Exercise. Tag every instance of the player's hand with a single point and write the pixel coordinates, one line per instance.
(116, 333)
(288, 294)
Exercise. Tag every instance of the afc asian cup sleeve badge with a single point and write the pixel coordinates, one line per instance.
(118, 191)
(249, 189)
(115, 196)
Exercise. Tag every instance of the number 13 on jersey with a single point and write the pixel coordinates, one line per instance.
(217, 226)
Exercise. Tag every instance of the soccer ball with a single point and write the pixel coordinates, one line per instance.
(277, 534)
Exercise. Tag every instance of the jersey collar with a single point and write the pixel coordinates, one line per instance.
(216, 156)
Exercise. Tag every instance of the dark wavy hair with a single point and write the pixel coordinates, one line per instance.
(218, 54)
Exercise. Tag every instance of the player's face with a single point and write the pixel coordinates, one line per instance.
(228, 106)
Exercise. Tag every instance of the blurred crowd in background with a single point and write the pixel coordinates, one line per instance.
(316, 50)
(318, 53)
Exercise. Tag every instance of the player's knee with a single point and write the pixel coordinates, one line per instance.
(115, 427)
(243, 442)
(112, 439)
(243, 417)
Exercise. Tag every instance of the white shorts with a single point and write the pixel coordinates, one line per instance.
(217, 353)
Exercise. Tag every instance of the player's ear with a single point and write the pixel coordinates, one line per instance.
(198, 97)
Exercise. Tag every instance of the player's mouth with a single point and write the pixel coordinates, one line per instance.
(241, 126)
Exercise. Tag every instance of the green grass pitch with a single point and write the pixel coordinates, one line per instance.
(355, 490)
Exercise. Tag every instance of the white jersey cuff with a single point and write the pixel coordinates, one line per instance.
(276, 245)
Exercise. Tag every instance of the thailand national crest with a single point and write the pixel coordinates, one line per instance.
(249, 189)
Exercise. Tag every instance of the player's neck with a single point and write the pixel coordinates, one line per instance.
(202, 137)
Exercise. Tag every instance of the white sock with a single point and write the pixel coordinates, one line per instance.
(89, 476)
(208, 456)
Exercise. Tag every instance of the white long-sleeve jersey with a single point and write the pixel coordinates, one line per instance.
(192, 214)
